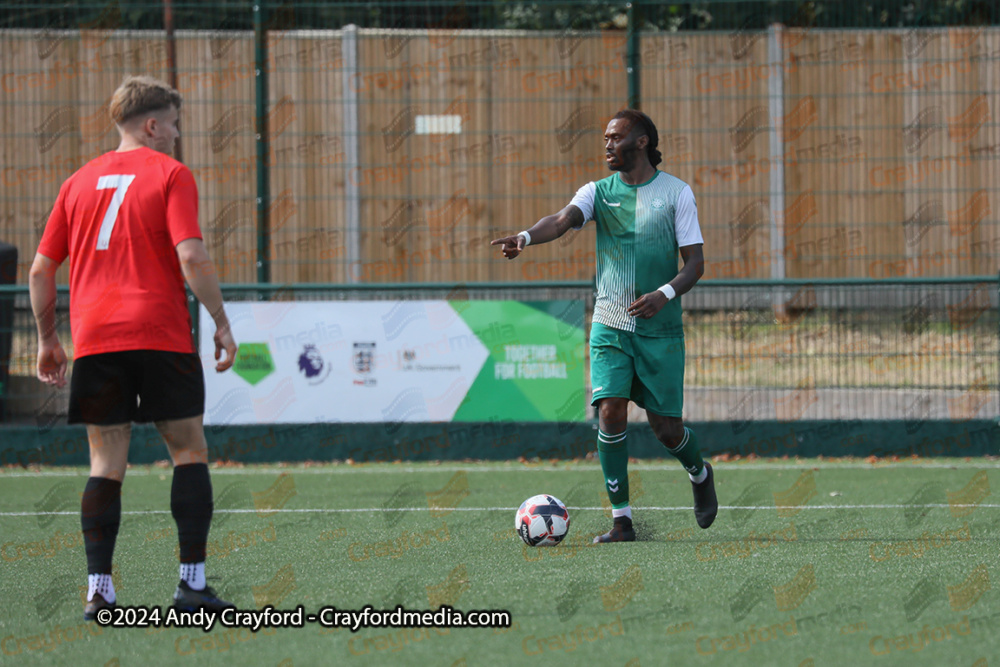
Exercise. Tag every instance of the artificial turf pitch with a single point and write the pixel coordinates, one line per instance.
(809, 563)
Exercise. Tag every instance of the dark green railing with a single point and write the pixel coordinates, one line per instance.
(903, 348)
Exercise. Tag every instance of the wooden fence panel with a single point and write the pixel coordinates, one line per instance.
(888, 142)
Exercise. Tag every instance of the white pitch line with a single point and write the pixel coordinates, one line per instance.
(359, 510)
(363, 469)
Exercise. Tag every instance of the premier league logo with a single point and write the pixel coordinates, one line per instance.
(311, 364)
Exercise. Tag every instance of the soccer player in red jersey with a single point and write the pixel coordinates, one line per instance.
(128, 223)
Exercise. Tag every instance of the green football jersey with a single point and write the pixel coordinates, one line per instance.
(640, 229)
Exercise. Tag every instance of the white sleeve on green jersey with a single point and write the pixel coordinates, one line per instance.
(584, 200)
(686, 226)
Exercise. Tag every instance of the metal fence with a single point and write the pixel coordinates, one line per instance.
(916, 350)
(843, 154)
(390, 141)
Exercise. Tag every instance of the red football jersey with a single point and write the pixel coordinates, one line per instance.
(119, 220)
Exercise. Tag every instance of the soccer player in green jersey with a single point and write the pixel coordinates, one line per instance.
(644, 218)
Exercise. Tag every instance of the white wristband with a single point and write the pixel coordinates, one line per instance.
(527, 238)
(668, 292)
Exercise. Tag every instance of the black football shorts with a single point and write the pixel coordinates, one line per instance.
(135, 386)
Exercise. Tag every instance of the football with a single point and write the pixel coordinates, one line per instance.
(542, 521)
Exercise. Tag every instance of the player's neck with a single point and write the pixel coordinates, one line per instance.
(639, 175)
(130, 143)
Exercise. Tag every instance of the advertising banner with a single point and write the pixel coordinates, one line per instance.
(398, 361)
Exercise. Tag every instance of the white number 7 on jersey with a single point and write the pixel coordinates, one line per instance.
(120, 183)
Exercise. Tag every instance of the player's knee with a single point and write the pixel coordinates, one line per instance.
(108, 472)
(613, 414)
(670, 432)
(187, 455)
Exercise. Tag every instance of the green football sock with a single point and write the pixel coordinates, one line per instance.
(689, 453)
(614, 463)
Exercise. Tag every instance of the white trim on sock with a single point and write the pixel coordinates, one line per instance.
(611, 439)
(100, 583)
(194, 575)
(625, 511)
(702, 476)
(684, 442)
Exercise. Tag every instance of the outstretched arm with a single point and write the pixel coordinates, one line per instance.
(547, 229)
(650, 304)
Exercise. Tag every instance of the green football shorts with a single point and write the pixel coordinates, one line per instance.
(647, 370)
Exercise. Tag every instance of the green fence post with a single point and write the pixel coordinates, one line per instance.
(263, 172)
(195, 311)
(632, 59)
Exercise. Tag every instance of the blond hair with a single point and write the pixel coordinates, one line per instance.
(140, 95)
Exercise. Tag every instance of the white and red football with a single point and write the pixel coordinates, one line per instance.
(542, 521)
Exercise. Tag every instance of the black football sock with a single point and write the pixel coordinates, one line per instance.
(191, 504)
(100, 516)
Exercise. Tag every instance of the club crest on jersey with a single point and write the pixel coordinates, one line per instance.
(658, 204)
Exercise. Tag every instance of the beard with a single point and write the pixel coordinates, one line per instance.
(627, 156)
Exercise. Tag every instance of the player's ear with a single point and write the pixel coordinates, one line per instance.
(149, 125)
